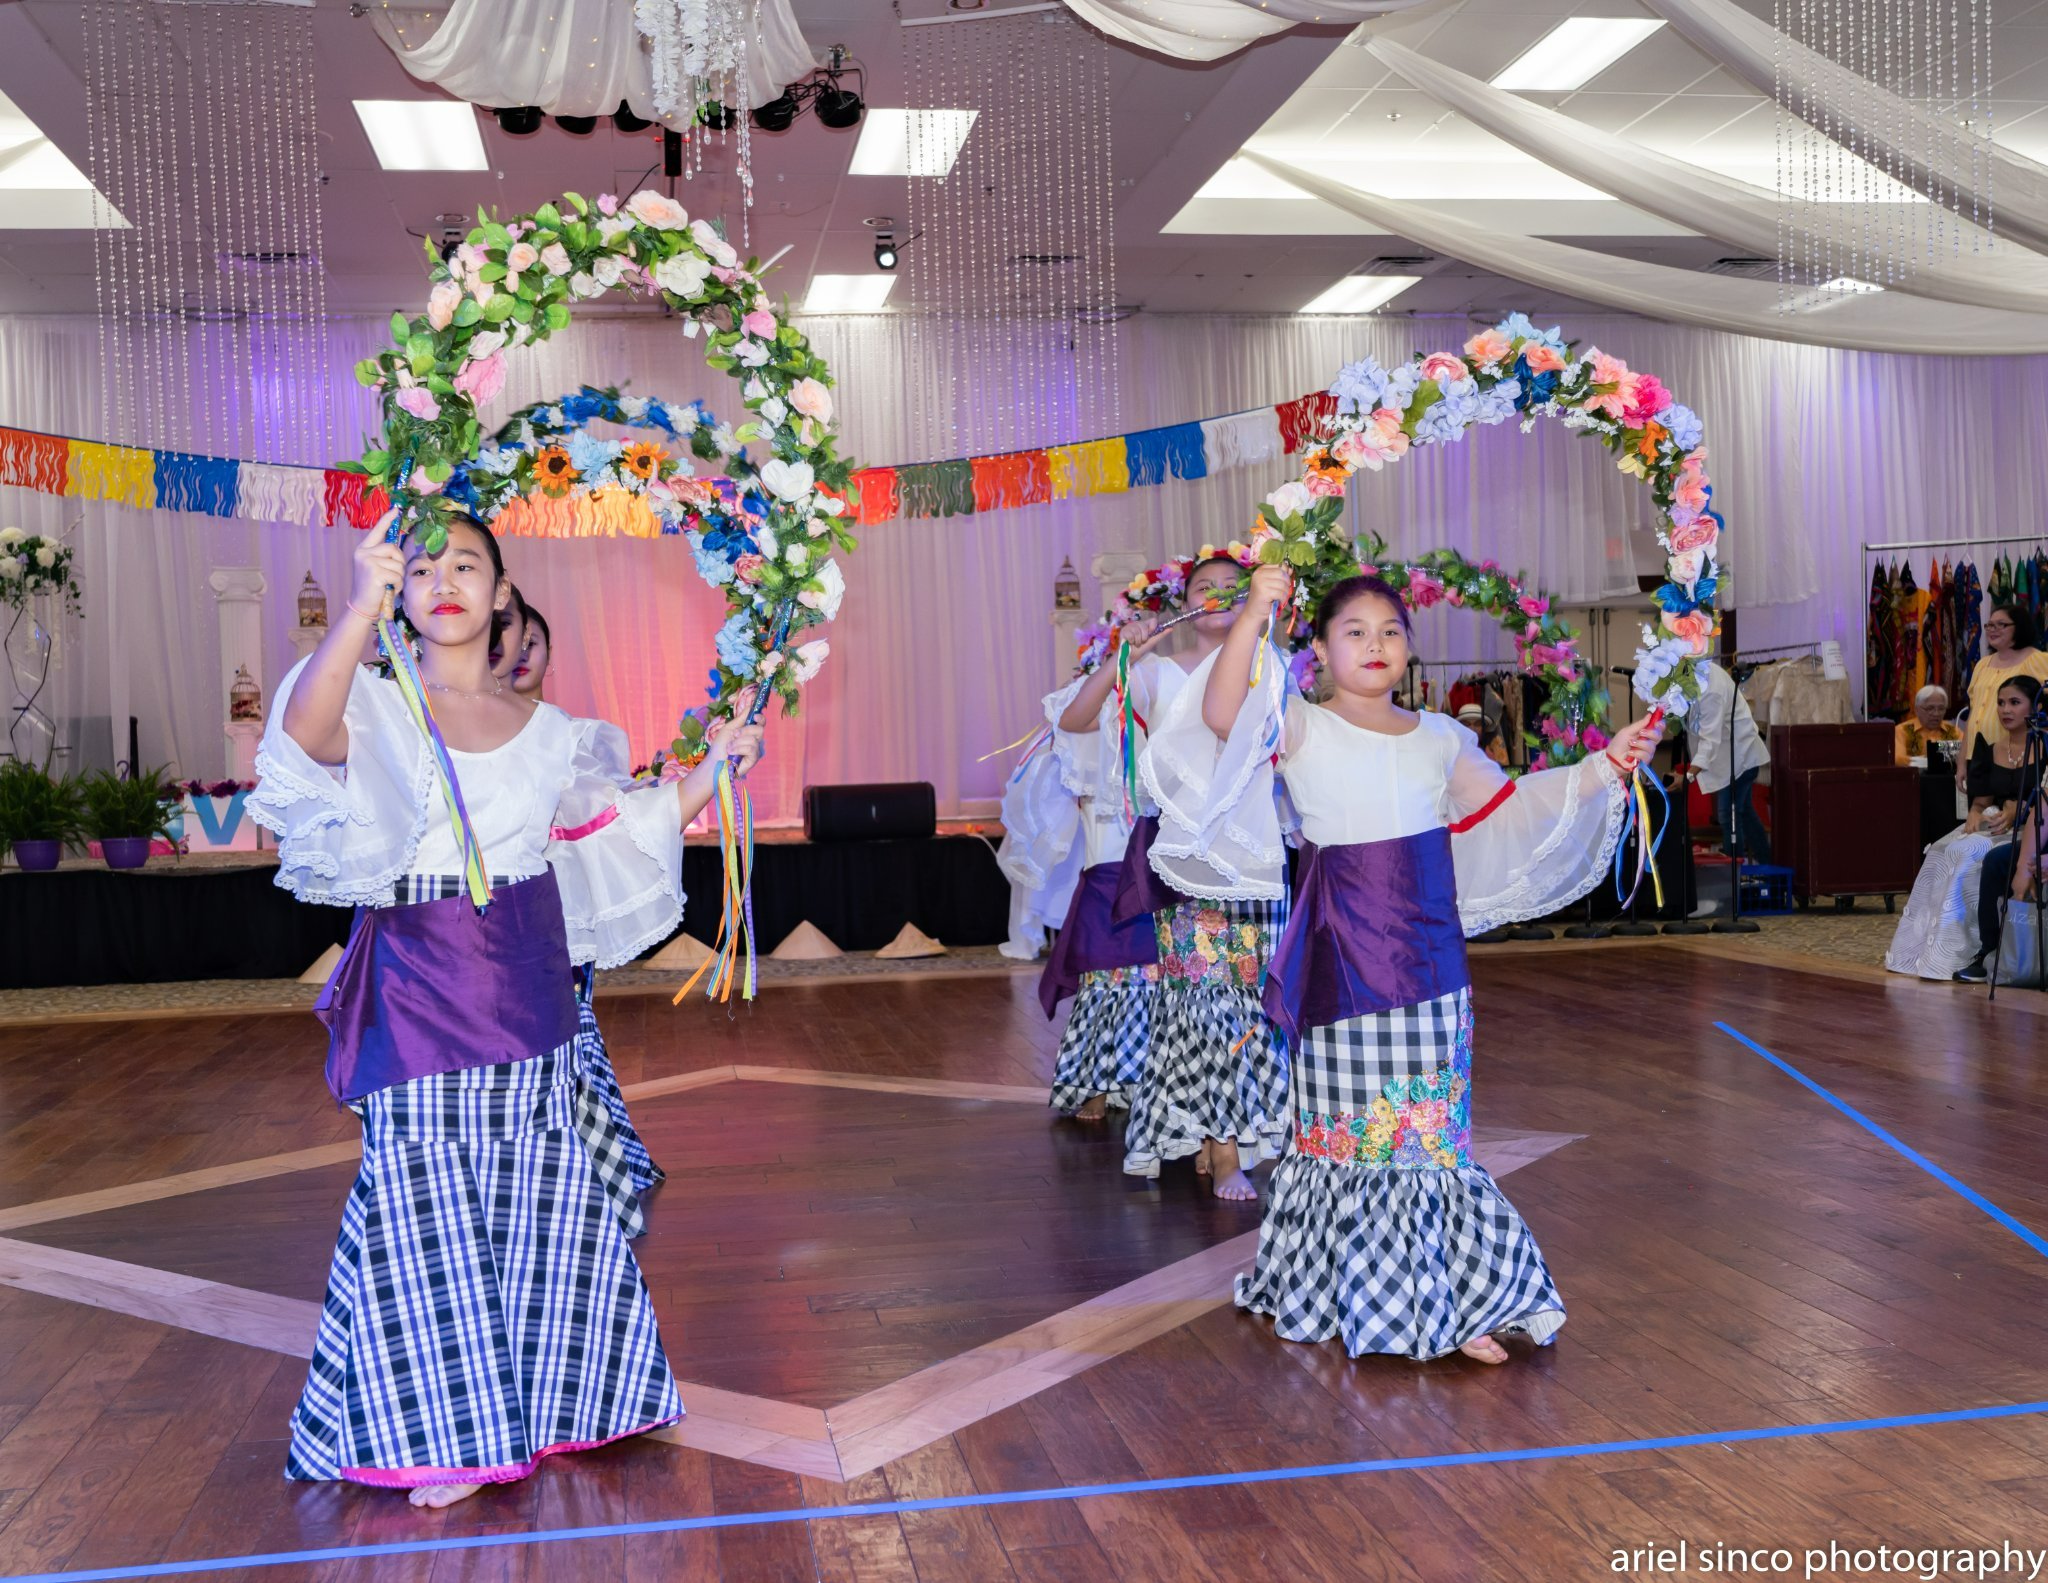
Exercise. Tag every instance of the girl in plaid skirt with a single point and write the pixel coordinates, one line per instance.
(483, 1309)
(1379, 1227)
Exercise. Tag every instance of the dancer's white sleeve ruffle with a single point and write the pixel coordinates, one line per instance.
(1219, 829)
(1041, 853)
(617, 852)
(1532, 845)
(346, 832)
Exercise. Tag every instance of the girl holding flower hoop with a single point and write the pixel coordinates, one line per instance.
(1379, 1228)
(483, 1309)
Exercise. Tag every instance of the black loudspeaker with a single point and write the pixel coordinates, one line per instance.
(900, 811)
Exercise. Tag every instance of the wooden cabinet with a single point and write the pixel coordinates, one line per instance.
(1844, 818)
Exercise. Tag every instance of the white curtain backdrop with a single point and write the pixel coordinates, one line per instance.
(943, 647)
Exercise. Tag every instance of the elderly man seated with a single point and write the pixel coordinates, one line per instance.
(1928, 723)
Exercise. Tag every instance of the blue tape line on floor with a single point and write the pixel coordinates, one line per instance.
(2018, 1228)
(1326, 1470)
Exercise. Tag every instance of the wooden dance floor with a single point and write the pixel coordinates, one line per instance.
(887, 1278)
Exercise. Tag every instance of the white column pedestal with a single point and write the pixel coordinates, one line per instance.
(239, 592)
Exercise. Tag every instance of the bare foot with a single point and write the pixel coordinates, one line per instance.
(1484, 1349)
(1230, 1180)
(436, 1496)
(1094, 1110)
(1202, 1159)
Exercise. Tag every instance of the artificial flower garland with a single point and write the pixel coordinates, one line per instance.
(1516, 370)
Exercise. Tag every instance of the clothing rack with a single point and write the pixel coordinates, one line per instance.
(1859, 670)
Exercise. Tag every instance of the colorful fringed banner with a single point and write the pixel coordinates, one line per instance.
(118, 473)
(282, 494)
(1306, 419)
(267, 492)
(35, 461)
(1155, 455)
(204, 484)
(1018, 478)
(1093, 467)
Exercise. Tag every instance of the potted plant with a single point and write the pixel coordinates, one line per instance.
(39, 813)
(126, 815)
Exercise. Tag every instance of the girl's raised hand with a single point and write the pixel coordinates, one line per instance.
(1633, 744)
(1272, 585)
(379, 569)
(1143, 635)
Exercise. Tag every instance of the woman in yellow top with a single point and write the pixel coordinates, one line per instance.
(1927, 723)
(2010, 650)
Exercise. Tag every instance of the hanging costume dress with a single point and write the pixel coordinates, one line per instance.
(1379, 1228)
(1218, 1066)
(1111, 969)
(483, 1308)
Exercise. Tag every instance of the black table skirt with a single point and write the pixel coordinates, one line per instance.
(94, 926)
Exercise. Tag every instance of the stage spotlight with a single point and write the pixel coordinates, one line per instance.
(626, 121)
(838, 107)
(885, 251)
(577, 125)
(522, 121)
(778, 114)
(718, 117)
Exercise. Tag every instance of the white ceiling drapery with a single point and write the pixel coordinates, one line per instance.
(2001, 275)
(1926, 150)
(569, 57)
(1211, 29)
(1870, 322)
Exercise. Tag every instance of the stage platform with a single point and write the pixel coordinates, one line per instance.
(223, 917)
(886, 1276)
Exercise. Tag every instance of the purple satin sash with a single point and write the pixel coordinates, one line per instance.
(439, 987)
(1090, 942)
(1140, 891)
(1375, 926)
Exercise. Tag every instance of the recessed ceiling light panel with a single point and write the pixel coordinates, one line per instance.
(422, 134)
(1574, 52)
(910, 142)
(848, 293)
(1361, 293)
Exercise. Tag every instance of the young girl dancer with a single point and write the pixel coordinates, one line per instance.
(482, 1309)
(1215, 1086)
(624, 1166)
(1380, 1229)
(1110, 968)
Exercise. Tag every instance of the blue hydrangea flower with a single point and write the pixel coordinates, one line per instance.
(1686, 429)
(1400, 387)
(713, 567)
(736, 651)
(498, 460)
(1497, 404)
(588, 454)
(1358, 386)
(583, 406)
(1519, 327)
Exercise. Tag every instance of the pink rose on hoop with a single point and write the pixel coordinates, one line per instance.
(1699, 534)
(1444, 367)
(1377, 441)
(482, 378)
(1489, 348)
(1542, 359)
(1695, 626)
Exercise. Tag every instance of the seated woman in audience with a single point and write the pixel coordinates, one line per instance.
(2010, 649)
(1928, 723)
(1938, 936)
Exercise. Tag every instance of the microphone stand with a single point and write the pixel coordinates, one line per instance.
(2034, 759)
(1631, 926)
(1734, 923)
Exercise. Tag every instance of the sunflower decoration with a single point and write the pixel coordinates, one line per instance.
(643, 461)
(557, 474)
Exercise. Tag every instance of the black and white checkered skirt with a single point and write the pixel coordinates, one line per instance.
(1107, 1037)
(1379, 1228)
(483, 1309)
(1218, 1067)
(621, 1160)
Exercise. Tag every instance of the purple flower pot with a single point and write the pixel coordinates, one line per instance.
(38, 857)
(125, 851)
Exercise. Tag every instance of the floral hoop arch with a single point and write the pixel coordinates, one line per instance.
(1516, 370)
(511, 283)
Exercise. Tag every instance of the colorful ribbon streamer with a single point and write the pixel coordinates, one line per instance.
(736, 914)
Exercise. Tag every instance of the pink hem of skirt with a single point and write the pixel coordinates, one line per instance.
(415, 1478)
